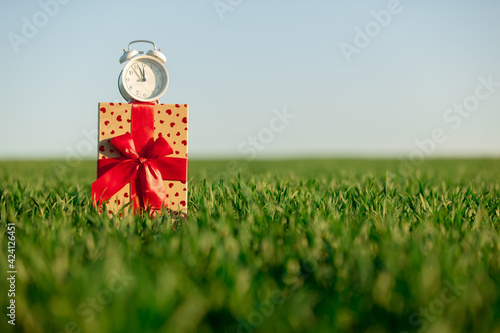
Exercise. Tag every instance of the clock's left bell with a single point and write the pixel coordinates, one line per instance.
(127, 55)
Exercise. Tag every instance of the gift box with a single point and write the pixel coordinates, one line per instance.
(142, 158)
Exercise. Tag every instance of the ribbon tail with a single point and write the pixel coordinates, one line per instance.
(113, 181)
(152, 190)
(103, 166)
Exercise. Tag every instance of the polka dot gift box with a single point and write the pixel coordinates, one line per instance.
(142, 158)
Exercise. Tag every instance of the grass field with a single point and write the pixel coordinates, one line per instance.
(282, 246)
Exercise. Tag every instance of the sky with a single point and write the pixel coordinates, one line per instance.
(262, 78)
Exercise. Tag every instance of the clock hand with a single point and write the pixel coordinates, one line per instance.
(143, 72)
(136, 72)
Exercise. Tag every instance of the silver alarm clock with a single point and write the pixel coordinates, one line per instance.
(144, 77)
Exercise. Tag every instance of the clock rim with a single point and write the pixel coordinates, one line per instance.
(123, 87)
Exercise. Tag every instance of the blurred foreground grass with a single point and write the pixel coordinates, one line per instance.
(282, 246)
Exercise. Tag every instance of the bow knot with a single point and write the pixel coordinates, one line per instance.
(142, 160)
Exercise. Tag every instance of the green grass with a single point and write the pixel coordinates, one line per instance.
(289, 246)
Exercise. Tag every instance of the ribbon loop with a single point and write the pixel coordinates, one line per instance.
(125, 144)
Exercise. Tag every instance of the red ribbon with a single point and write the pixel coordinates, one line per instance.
(144, 164)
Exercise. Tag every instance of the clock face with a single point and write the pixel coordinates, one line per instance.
(145, 79)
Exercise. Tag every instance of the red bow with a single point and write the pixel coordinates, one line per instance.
(149, 165)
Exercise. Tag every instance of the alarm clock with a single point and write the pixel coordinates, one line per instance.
(144, 77)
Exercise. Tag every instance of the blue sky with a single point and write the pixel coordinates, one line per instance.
(240, 63)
